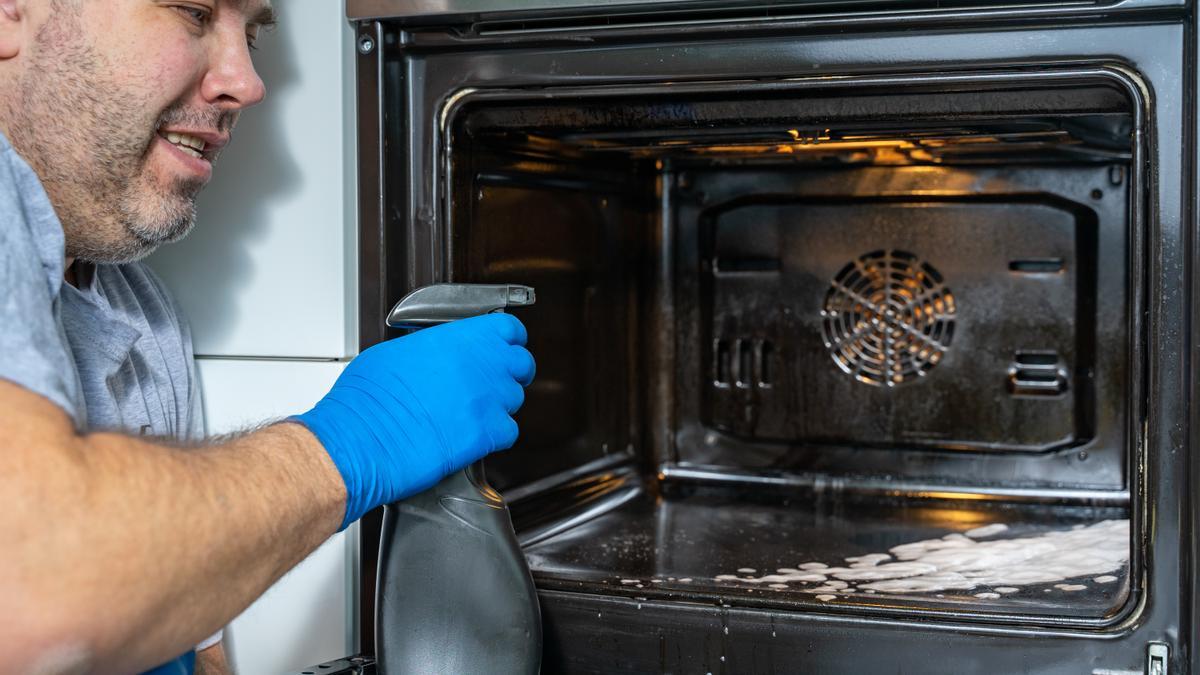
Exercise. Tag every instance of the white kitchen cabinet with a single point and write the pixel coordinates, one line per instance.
(268, 282)
(307, 617)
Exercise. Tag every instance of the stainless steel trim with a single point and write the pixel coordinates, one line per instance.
(369, 9)
(431, 11)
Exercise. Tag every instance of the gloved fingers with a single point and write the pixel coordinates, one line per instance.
(506, 326)
(503, 429)
(512, 396)
(521, 365)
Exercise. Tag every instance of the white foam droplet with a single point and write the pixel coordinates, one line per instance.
(987, 596)
(747, 570)
(1106, 579)
(986, 530)
(826, 598)
(869, 560)
(962, 563)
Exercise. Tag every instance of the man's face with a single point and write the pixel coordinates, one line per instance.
(122, 106)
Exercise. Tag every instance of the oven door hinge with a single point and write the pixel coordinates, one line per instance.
(1158, 656)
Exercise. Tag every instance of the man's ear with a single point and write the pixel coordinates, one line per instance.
(11, 14)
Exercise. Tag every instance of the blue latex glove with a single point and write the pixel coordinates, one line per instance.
(410, 411)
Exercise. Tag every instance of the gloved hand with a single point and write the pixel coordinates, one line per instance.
(407, 412)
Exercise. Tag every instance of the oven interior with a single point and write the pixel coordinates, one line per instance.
(782, 331)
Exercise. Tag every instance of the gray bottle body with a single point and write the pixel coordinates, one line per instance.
(454, 593)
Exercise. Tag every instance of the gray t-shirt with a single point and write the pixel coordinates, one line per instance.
(114, 353)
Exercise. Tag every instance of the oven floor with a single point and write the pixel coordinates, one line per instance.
(715, 547)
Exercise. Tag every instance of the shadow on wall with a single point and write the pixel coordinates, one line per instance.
(255, 172)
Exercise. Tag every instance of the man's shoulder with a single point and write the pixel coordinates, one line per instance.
(8, 156)
(30, 235)
(34, 352)
(17, 178)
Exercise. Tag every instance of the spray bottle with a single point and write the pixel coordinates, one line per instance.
(454, 593)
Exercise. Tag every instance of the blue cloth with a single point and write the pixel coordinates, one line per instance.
(183, 665)
(410, 411)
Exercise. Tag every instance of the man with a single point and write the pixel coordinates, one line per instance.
(124, 547)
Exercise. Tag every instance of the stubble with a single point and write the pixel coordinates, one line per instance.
(88, 139)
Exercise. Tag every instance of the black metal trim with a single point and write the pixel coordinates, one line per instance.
(1163, 434)
(351, 665)
(1189, 546)
(372, 264)
(699, 475)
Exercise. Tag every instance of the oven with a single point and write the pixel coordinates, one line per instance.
(863, 327)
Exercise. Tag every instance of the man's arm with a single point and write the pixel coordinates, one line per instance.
(122, 554)
(212, 661)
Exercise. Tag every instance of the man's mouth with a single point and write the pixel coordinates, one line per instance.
(187, 143)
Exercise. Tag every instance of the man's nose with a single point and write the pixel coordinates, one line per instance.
(232, 82)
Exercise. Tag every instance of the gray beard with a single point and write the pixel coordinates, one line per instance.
(141, 239)
(78, 130)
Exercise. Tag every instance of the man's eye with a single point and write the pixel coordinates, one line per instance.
(198, 15)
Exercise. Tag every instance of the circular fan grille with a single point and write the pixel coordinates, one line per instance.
(888, 318)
